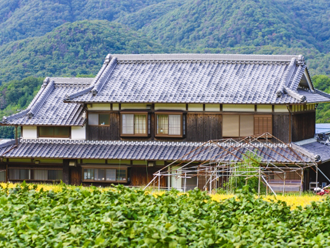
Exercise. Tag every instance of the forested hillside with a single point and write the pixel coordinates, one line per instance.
(20, 19)
(230, 23)
(71, 49)
(42, 38)
(16, 96)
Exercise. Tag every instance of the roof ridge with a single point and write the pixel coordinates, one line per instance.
(287, 76)
(104, 77)
(322, 93)
(99, 74)
(161, 143)
(14, 116)
(209, 56)
(40, 101)
(8, 143)
(294, 94)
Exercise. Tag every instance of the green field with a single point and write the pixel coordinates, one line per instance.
(124, 217)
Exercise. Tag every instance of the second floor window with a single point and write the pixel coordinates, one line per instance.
(98, 119)
(54, 132)
(246, 125)
(134, 124)
(168, 125)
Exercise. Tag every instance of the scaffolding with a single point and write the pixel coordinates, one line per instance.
(215, 163)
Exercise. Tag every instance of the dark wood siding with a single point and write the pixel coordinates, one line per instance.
(105, 132)
(142, 175)
(208, 126)
(199, 127)
(203, 127)
(281, 127)
(75, 175)
(303, 126)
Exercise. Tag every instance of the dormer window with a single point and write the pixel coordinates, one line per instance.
(134, 124)
(98, 119)
(169, 124)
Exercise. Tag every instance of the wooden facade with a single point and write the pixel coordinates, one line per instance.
(204, 126)
(281, 127)
(303, 126)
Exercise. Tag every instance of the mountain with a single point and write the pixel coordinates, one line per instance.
(20, 19)
(150, 14)
(15, 96)
(40, 38)
(236, 23)
(71, 49)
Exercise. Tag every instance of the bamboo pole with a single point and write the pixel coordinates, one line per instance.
(284, 183)
(301, 181)
(259, 182)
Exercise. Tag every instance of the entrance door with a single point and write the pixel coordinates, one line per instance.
(176, 180)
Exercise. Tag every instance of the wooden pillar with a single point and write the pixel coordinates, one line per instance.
(66, 171)
(7, 173)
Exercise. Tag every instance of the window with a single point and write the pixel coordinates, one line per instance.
(134, 124)
(263, 124)
(54, 132)
(106, 174)
(19, 174)
(35, 174)
(2, 176)
(98, 119)
(168, 125)
(55, 175)
(246, 125)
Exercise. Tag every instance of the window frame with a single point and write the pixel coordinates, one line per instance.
(169, 135)
(98, 118)
(32, 174)
(68, 137)
(105, 167)
(134, 113)
(239, 123)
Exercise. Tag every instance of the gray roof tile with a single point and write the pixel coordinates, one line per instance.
(314, 147)
(206, 78)
(148, 150)
(48, 107)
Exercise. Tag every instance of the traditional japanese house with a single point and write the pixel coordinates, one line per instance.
(142, 112)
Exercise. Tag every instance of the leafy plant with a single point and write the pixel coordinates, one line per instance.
(124, 217)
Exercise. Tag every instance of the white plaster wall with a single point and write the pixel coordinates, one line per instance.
(238, 107)
(264, 108)
(133, 106)
(212, 107)
(115, 106)
(30, 132)
(78, 132)
(195, 107)
(99, 106)
(280, 108)
(170, 106)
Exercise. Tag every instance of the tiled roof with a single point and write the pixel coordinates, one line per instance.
(315, 147)
(201, 78)
(6, 145)
(151, 150)
(48, 107)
